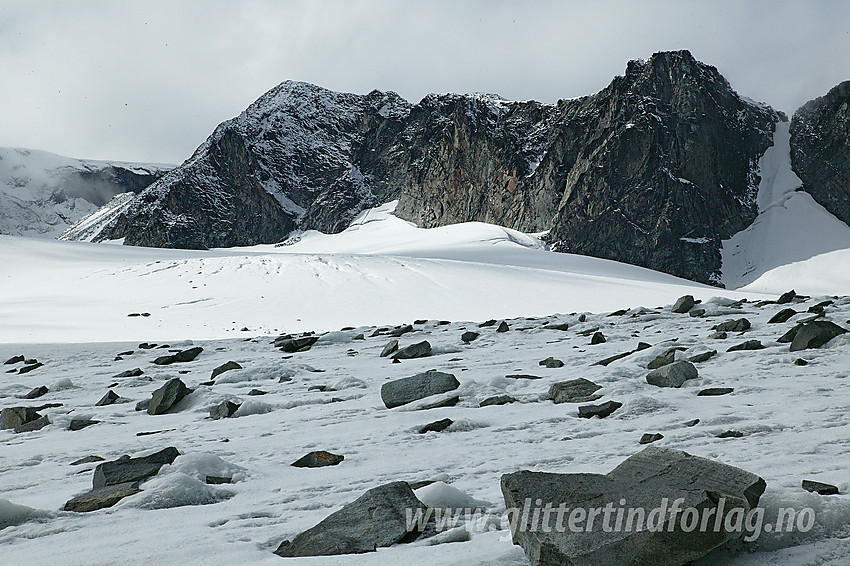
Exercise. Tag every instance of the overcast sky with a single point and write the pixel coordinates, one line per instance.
(149, 80)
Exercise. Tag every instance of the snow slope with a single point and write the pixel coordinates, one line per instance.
(381, 270)
(791, 227)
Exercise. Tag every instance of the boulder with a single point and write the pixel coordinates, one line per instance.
(731, 434)
(223, 368)
(15, 360)
(597, 338)
(650, 437)
(87, 460)
(167, 396)
(673, 375)
(468, 337)
(819, 488)
(739, 325)
(29, 368)
(748, 345)
(715, 391)
(645, 480)
(292, 345)
(786, 297)
(256, 392)
(666, 358)
(135, 372)
(578, 390)
(391, 347)
(551, 363)
(684, 304)
(378, 518)
(224, 410)
(101, 498)
(31, 426)
(15, 418)
(408, 389)
(487, 323)
(418, 350)
(563, 326)
(702, 357)
(788, 337)
(132, 470)
(503, 327)
(37, 392)
(523, 376)
(497, 400)
(815, 334)
(179, 357)
(108, 399)
(602, 410)
(696, 312)
(79, 423)
(782, 316)
(400, 330)
(436, 426)
(318, 459)
(718, 336)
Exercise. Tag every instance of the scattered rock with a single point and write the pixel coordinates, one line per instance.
(439, 403)
(684, 304)
(503, 327)
(167, 396)
(646, 479)
(786, 297)
(673, 375)
(127, 470)
(598, 338)
(731, 434)
(782, 316)
(578, 390)
(800, 362)
(418, 350)
(257, 392)
(18, 419)
(400, 330)
(126, 353)
(110, 398)
(748, 345)
(87, 460)
(620, 312)
(715, 391)
(101, 498)
(582, 317)
(318, 459)
(223, 368)
(650, 437)
(602, 410)
(815, 334)
(36, 393)
(375, 519)
(146, 346)
(718, 336)
(561, 326)
(739, 325)
(551, 363)
(702, 357)
(180, 357)
(293, 345)
(690, 423)
(14, 360)
(436, 426)
(408, 389)
(135, 372)
(696, 312)
(29, 368)
(497, 400)
(487, 323)
(468, 337)
(819, 488)
(224, 410)
(391, 347)
(667, 358)
(143, 405)
(217, 480)
(522, 376)
(81, 423)
(788, 337)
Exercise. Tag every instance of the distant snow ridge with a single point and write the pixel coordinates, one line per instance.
(43, 194)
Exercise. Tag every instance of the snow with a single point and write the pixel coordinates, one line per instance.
(66, 304)
(790, 228)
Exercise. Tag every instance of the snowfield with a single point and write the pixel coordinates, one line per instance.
(66, 304)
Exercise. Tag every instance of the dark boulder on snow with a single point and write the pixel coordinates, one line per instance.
(408, 389)
(650, 437)
(79, 423)
(468, 337)
(597, 338)
(36, 393)
(497, 400)
(224, 410)
(32, 366)
(179, 357)
(702, 357)
(293, 345)
(602, 410)
(739, 325)
(672, 375)
(503, 327)
(101, 498)
(418, 350)
(390, 348)
(551, 363)
(14, 360)
(378, 518)
(167, 396)
(815, 334)
(786, 297)
(436, 426)
(747, 345)
(788, 337)
(819, 488)
(578, 390)
(782, 316)
(665, 358)
(715, 391)
(318, 459)
(400, 331)
(135, 372)
(127, 469)
(645, 480)
(22, 419)
(684, 304)
(231, 365)
(110, 398)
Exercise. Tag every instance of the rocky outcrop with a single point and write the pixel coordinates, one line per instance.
(654, 170)
(820, 149)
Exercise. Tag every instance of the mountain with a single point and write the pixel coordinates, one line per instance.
(42, 194)
(658, 169)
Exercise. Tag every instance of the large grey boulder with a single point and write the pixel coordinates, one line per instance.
(378, 518)
(684, 304)
(815, 334)
(224, 410)
(22, 419)
(389, 348)
(647, 480)
(179, 357)
(292, 345)
(128, 470)
(101, 498)
(673, 375)
(739, 325)
(408, 389)
(579, 390)
(231, 365)
(782, 316)
(418, 350)
(167, 396)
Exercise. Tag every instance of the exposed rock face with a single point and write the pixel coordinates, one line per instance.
(644, 480)
(820, 149)
(653, 170)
